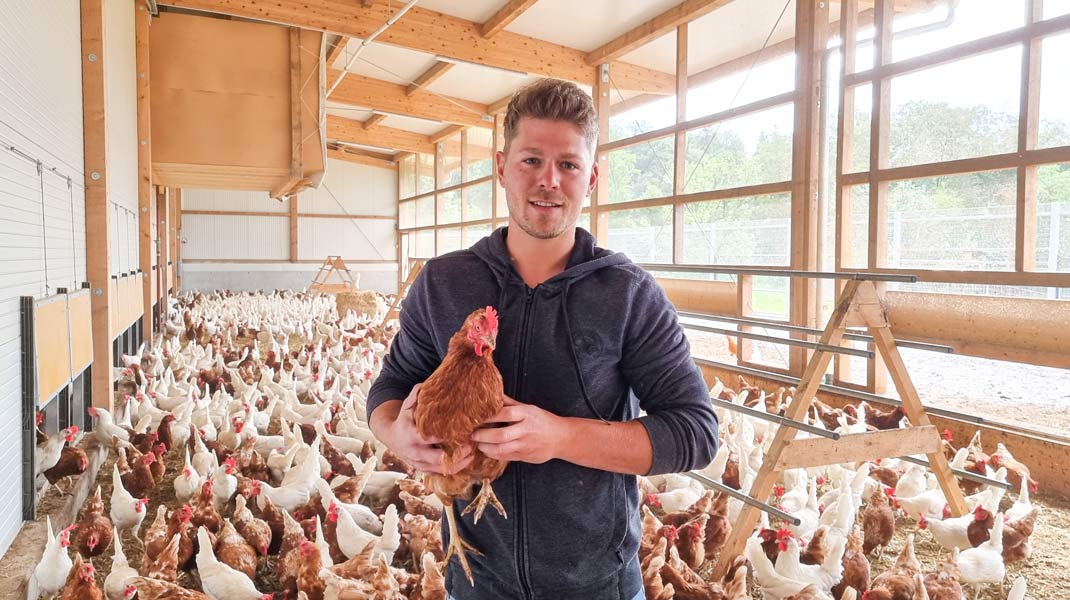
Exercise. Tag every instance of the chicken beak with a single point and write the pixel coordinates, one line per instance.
(489, 340)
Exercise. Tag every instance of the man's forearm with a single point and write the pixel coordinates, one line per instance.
(383, 416)
(618, 447)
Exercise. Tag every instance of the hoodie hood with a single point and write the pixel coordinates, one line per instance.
(585, 258)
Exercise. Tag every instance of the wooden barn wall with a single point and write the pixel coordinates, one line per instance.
(41, 115)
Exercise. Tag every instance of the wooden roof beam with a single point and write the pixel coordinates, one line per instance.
(336, 49)
(353, 131)
(660, 25)
(374, 120)
(442, 134)
(391, 97)
(363, 157)
(428, 77)
(505, 15)
(436, 33)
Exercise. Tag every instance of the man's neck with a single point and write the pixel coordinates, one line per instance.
(537, 260)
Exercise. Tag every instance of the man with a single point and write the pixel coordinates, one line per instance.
(581, 329)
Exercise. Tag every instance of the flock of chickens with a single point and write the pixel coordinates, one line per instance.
(251, 408)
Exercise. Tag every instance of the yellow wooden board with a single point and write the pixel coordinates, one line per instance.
(139, 296)
(51, 346)
(701, 296)
(81, 330)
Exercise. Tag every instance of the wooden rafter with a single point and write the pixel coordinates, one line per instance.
(440, 34)
(652, 29)
(428, 77)
(446, 132)
(336, 49)
(505, 15)
(374, 120)
(352, 131)
(391, 97)
(500, 105)
(363, 157)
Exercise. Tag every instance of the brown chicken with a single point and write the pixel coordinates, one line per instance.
(980, 530)
(164, 565)
(686, 584)
(878, 523)
(901, 581)
(274, 518)
(855, 566)
(289, 556)
(308, 571)
(814, 552)
(691, 542)
(423, 535)
(1016, 471)
(943, 583)
(72, 461)
(94, 531)
(232, 549)
(1016, 534)
(678, 518)
(178, 523)
(457, 398)
(163, 431)
(204, 511)
(884, 419)
(81, 582)
(255, 531)
(153, 589)
(432, 584)
(138, 480)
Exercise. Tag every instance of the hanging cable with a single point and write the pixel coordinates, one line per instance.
(352, 221)
(44, 232)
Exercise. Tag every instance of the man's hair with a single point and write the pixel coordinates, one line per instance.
(554, 100)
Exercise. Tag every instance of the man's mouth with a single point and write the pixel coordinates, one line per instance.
(544, 204)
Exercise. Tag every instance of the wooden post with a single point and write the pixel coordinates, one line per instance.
(599, 219)
(176, 236)
(679, 171)
(811, 39)
(293, 227)
(144, 163)
(844, 151)
(163, 248)
(97, 213)
(497, 192)
(1025, 224)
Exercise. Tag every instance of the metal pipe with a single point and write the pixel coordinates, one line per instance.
(745, 499)
(858, 337)
(779, 420)
(780, 340)
(867, 276)
(963, 474)
(839, 390)
(364, 43)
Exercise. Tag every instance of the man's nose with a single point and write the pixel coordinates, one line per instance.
(549, 177)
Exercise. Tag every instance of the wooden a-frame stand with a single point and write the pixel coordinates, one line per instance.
(333, 266)
(417, 266)
(858, 305)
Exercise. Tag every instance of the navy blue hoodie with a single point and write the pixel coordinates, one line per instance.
(600, 341)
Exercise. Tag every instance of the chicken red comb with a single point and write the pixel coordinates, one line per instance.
(491, 316)
(947, 435)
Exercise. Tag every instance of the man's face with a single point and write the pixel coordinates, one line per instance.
(547, 172)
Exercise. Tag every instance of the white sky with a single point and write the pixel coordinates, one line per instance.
(989, 79)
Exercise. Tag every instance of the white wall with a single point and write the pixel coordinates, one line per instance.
(41, 115)
(120, 97)
(255, 250)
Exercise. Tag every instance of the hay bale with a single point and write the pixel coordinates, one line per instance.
(367, 302)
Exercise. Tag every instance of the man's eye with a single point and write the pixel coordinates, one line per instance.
(531, 161)
(569, 166)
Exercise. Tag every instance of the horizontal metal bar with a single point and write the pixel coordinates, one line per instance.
(858, 337)
(779, 272)
(963, 474)
(780, 340)
(779, 420)
(932, 410)
(745, 499)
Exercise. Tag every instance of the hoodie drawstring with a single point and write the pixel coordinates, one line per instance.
(575, 357)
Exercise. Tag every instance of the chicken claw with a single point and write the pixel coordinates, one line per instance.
(483, 498)
(458, 547)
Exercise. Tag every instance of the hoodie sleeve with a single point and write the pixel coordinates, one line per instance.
(412, 356)
(657, 364)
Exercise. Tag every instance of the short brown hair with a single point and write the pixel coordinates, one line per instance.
(555, 100)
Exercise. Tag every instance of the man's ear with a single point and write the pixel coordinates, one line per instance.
(499, 163)
(594, 177)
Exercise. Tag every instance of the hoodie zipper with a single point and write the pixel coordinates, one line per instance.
(521, 546)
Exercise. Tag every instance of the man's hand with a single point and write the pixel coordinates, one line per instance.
(530, 434)
(403, 439)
